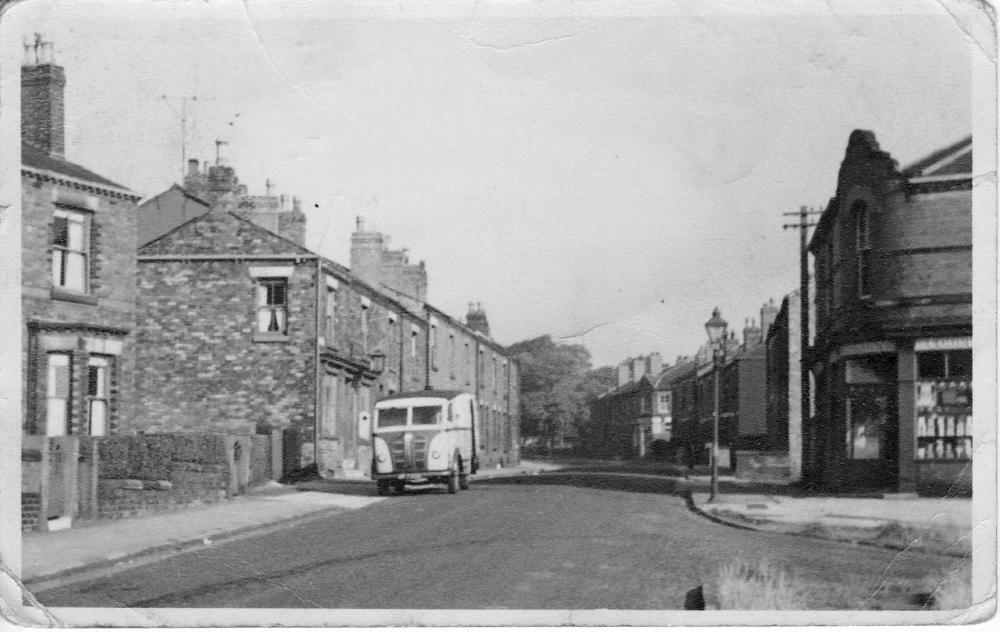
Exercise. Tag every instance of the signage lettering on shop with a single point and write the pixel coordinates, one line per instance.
(943, 344)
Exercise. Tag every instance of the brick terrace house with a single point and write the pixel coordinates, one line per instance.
(625, 420)
(244, 330)
(78, 273)
(77, 300)
(892, 356)
(742, 393)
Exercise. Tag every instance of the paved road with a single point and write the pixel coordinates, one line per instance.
(562, 541)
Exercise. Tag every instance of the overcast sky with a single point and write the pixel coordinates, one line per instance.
(603, 177)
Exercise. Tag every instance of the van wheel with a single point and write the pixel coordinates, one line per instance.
(399, 487)
(452, 481)
(383, 488)
(463, 481)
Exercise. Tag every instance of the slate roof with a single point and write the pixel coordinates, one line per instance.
(37, 159)
(164, 212)
(955, 159)
(221, 233)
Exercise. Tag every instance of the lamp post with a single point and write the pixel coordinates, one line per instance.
(716, 328)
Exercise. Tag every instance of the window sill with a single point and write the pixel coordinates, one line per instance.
(263, 336)
(73, 297)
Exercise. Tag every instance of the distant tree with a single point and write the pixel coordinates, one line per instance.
(557, 384)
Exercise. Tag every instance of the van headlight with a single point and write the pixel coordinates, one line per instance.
(383, 458)
(437, 452)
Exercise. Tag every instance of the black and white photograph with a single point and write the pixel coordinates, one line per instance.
(500, 313)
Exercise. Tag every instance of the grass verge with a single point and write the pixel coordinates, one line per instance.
(745, 584)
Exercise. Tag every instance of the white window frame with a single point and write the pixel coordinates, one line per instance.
(62, 255)
(58, 410)
(264, 305)
(99, 395)
(263, 275)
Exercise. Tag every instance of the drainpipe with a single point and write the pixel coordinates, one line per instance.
(427, 350)
(402, 349)
(317, 375)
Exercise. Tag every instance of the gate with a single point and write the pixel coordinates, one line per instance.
(62, 477)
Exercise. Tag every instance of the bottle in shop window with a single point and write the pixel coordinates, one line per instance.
(959, 426)
(949, 426)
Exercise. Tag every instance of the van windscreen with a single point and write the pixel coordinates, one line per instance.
(426, 415)
(391, 417)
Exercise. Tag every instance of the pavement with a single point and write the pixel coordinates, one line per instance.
(896, 521)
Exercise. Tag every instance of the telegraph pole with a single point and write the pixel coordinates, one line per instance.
(803, 225)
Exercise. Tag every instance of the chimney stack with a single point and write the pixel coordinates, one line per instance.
(476, 319)
(623, 373)
(768, 312)
(43, 124)
(654, 365)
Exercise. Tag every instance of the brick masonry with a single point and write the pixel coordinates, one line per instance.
(204, 368)
(921, 288)
(85, 324)
(199, 365)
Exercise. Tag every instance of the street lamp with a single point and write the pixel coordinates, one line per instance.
(716, 328)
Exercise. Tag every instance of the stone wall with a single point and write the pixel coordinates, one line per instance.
(140, 475)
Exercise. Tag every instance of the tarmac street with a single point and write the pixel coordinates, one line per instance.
(570, 540)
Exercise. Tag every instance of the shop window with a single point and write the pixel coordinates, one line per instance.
(944, 405)
(70, 251)
(97, 395)
(272, 306)
(869, 420)
(57, 399)
(867, 412)
(862, 247)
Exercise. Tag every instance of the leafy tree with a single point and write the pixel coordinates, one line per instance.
(557, 384)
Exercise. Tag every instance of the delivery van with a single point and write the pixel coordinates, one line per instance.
(424, 437)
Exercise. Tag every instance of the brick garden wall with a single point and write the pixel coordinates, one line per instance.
(141, 475)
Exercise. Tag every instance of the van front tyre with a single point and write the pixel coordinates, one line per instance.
(463, 481)
(452, 481)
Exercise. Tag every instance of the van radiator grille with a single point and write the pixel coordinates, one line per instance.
(420, 453)
(398, 450)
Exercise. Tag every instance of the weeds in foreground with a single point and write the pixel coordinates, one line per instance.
(745, 585)
(954, 592)
(765, 585)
